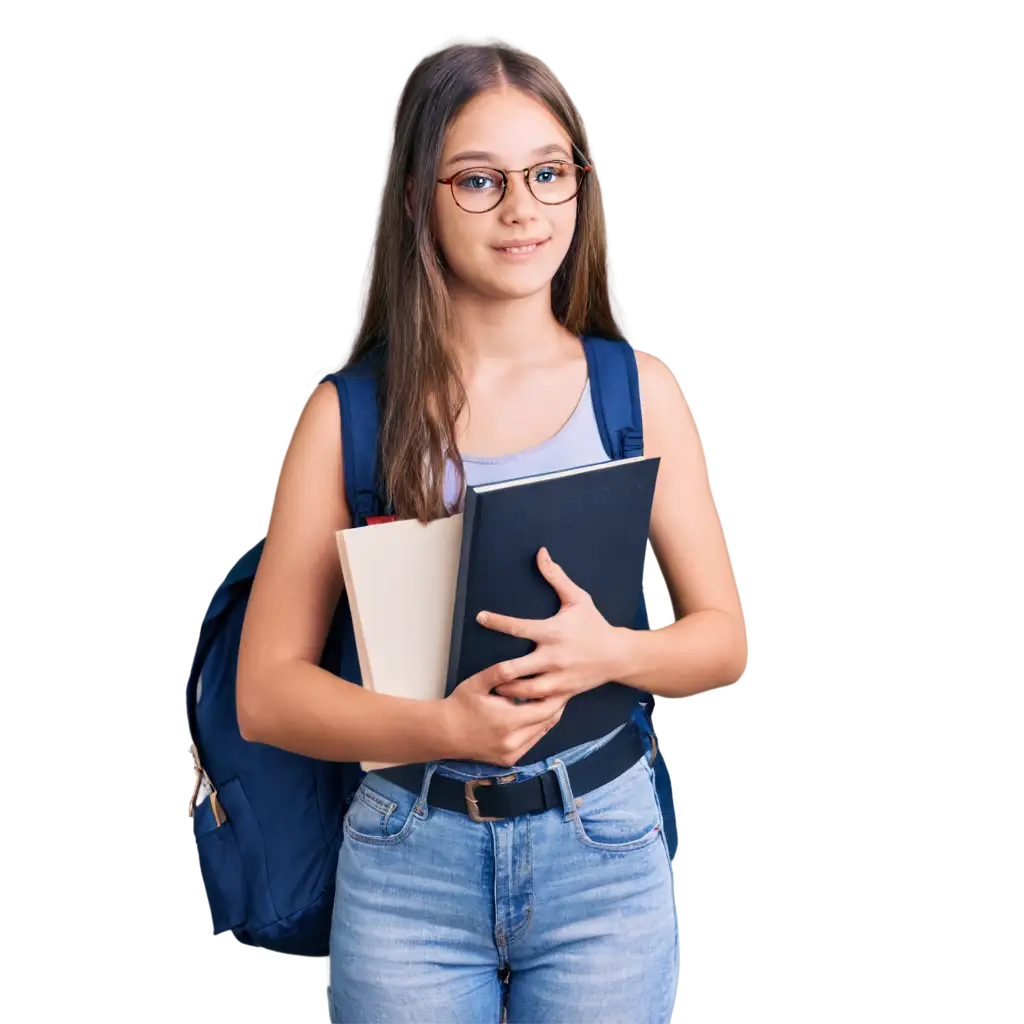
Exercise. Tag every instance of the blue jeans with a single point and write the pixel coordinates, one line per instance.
(575, 902)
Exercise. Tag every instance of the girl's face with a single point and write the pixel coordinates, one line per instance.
(503, 128)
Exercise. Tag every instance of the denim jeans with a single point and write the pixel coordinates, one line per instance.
(575, 902)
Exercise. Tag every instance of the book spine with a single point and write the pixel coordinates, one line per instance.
(362, 648)
(462, 585)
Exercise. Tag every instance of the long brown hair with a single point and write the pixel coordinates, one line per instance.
(408, 320)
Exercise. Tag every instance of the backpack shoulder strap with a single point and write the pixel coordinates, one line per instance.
(615, 389)
(615, 392)
(236, 586)
(358, 390)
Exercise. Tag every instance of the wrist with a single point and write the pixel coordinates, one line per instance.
(446, 729)
(621, 656)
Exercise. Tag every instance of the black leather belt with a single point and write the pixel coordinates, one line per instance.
(500, 797)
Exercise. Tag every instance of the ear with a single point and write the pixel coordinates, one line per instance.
(410, 183)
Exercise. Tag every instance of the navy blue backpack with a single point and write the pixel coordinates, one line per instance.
(269, 830)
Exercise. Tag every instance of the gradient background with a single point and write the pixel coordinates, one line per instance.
(815, 217)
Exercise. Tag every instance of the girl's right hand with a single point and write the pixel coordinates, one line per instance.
(484, 726)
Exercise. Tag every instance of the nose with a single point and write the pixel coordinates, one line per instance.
(519, 200)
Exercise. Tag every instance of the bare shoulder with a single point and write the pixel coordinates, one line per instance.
(311, 486)
(317, 435)
(656, 379)
(666, 414)
(686, 534)
(322, 407)
(299, 579)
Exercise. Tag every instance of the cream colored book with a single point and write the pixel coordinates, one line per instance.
(400, 578)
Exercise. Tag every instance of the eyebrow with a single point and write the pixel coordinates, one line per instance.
(478, 154)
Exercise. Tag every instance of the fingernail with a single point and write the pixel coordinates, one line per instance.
(481, 618)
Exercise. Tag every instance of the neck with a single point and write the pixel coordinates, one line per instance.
(506, 331)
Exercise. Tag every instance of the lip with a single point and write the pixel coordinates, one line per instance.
(539, 243)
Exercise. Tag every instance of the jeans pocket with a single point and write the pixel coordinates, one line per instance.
(622, 815)
(380, 814)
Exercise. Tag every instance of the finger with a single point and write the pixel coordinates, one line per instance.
(531, 664)
(530, 735)
(568, 591)
(530, 629)
(537, 711)
(548, 685)
(549, 723)
(488, 678)
(502, 672)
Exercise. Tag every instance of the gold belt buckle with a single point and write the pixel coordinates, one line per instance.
(471, 801)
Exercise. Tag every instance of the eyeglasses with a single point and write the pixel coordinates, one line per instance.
(479, 189)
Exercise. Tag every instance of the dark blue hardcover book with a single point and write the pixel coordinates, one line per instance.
(594, 520)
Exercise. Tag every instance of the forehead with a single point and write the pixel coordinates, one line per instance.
(506, 122)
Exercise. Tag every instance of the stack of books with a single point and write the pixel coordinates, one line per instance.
(415, 589)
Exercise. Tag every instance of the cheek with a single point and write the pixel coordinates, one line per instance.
(563, 228)
(458, 236)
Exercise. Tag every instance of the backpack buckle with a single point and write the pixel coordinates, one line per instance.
(219, 814)
(632, 441)
(198, 778)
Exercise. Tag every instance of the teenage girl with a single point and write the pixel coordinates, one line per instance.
(489, 269)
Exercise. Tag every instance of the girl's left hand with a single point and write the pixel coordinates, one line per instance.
(577, 649)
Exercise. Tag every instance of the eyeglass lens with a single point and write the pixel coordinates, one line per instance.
(478, 189)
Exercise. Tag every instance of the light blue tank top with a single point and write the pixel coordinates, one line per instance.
(577, 443)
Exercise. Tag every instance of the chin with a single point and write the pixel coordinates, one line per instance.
(521, 288)
(518, 282)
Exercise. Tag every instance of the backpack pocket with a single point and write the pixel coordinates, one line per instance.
(217, 859)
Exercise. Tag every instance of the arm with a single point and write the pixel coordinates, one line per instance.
(283, 697)
(578, 649)
(286, 700)
(305, 389)
(706, 646)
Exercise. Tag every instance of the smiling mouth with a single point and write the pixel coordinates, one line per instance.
(520, 250)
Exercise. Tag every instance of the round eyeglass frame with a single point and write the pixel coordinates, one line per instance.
(525, 172)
